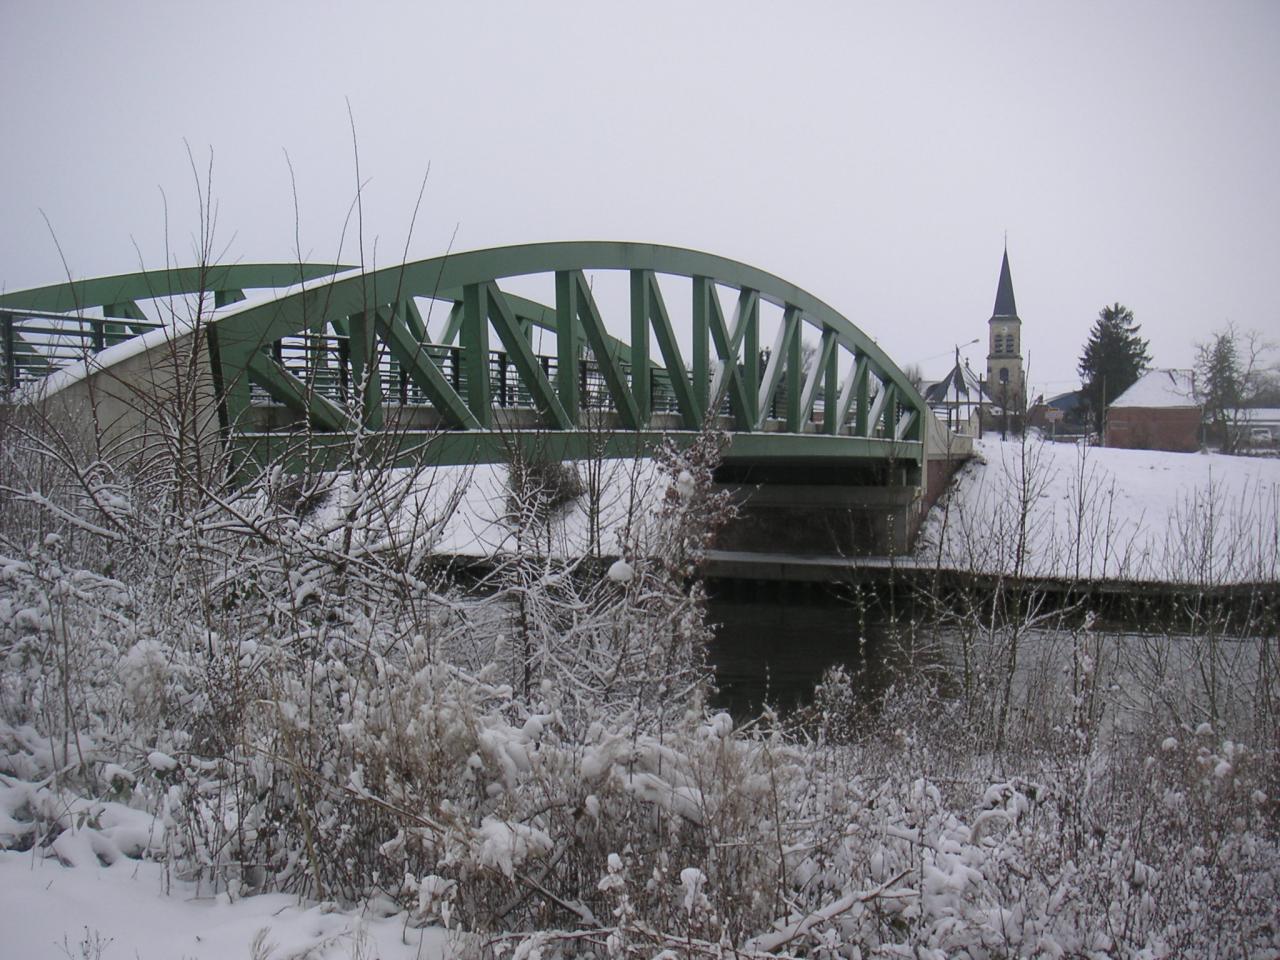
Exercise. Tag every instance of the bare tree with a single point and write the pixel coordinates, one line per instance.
(1232, 374)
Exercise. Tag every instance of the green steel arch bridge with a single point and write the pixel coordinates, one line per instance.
(332, 352)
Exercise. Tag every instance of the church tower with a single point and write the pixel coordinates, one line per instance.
(1006, 382)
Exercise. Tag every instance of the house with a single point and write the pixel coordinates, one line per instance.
(958, 399)
(1062, 414)
(1159, 412)
(1258, 427)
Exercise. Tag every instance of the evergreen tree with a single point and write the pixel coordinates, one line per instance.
(1113, 359)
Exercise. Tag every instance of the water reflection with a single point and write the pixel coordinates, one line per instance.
(773, 652)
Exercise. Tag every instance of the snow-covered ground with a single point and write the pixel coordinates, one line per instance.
(131, 910)
(468, 510)
(1039, 509)
(1051, 509)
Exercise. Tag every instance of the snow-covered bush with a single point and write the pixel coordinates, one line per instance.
(279, 687)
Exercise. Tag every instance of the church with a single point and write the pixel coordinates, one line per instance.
(963, 399)
(1006, 382)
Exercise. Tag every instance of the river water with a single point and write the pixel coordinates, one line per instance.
(773, 652)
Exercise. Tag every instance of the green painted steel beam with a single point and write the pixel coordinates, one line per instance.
(746, 339)
(700, 366)
(453, 325)
(905, 424)
(641, 375)
(473, 337)
(331, 451)
(412, 317)
(795, 376)
(521, 354)
(568, 343)
(283, 316)
(156, 284)
(875, 415)
(285, 388)
(832, 421)
(889, 411)
(853, 395)
(660, 322)
(817, 377)
(788, 333)
(366, 373)
(410, 353)
(706, 300)
(587, 317)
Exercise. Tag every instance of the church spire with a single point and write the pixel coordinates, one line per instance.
(1005, 307)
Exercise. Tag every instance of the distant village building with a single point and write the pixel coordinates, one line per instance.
(1061, 414)
(967, 403)
(1258, 427)
(958, 399)
(1159, 412)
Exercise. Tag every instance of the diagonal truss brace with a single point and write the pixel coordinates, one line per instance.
(819, 377)
(285, 388)
(707, 314)
(513, 337)
(649, 309)
(785, 357)
(395, 329)
(576, 312)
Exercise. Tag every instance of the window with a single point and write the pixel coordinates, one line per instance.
(1003, 343)
(1004, 374)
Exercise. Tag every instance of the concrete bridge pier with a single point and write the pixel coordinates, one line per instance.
(844, 521)
(860, 511)
(853, 509)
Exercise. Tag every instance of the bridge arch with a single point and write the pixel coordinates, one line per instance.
(375, 311)
(350, 345)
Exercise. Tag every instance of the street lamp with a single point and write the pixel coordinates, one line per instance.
(956, 411)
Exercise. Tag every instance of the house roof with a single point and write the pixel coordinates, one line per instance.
(961, 385)
(1160, 388)
(1066, 402)
(1257, 415)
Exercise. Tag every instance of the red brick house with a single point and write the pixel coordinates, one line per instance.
(1159, 412)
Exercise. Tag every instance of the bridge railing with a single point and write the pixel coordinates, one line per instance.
(323, 363)
(33, 345)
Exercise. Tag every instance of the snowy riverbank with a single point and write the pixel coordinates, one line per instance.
(1060, 510)
(1037, 509)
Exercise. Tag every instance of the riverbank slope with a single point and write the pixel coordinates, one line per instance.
(1047, 510)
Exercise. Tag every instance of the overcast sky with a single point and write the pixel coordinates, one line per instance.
(873, 154)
